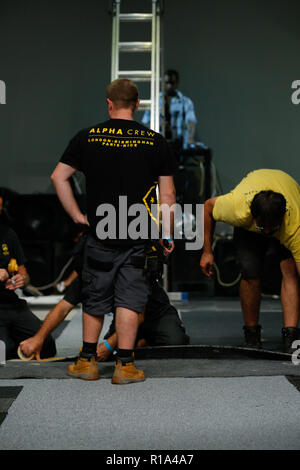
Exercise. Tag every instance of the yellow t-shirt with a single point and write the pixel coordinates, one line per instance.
(234, 207)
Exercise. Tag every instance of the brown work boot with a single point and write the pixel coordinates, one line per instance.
(85, 368)
(127, 373)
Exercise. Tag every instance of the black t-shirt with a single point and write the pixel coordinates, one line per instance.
(10, 247)
(119, 158)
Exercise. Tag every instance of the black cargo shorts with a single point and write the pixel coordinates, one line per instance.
(110, 279)
(251, 249)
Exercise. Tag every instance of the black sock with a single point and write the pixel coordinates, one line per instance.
(89, 348)
(125, 355)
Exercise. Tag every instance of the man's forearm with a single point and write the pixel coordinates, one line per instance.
(209, 226)
(25, 275)
(167, 207)
(26, 279)
(191, 129)
(71, 278)
(54, 318)
(298, 267)
(66, 197)
(112, 340)
(167, 198)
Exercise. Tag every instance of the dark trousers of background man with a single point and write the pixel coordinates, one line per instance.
(18, 324)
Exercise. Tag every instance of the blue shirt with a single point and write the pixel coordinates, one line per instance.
(181, 113)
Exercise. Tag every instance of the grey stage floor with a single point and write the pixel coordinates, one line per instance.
(167, 414)
(201, 403)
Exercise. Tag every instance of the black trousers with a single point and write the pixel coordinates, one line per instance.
(16, 325)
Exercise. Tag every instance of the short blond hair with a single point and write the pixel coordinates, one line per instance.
(123, 93)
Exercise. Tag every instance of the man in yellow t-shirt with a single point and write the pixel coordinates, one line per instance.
(264, 208)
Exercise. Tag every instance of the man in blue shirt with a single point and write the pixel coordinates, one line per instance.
(179, 115)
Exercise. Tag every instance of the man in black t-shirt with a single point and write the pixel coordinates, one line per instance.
(123, 162)
(17, 322)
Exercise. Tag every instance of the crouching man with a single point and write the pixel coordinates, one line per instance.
(264, 209)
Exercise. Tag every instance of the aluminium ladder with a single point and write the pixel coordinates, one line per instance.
(153, 75)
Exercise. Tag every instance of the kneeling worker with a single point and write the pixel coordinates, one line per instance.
(264, 208)
(159, 325)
